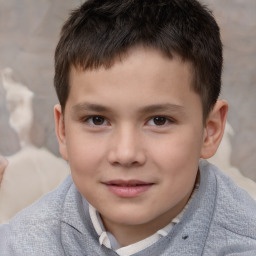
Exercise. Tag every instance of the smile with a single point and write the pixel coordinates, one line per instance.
(128, 189)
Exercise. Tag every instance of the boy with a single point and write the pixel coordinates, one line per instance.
(138, 83)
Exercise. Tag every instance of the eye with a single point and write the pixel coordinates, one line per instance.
(158, 121)
(96, 121)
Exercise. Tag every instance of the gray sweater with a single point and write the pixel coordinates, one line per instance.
(220, 220)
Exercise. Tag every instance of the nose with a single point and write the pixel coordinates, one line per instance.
(126, 149)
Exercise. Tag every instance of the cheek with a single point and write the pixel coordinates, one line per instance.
(177, 163)
(85, 155)
(176, 149)
(177, 159)
(85, 162)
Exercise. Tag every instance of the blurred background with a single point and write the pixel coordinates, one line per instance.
(29, 31)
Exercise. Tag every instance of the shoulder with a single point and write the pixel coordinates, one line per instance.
(234, 216)
(234, 206)
(38, 222)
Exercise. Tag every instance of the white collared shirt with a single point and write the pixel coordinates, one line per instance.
(108, 240)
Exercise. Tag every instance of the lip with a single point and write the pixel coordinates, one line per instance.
(128, 188)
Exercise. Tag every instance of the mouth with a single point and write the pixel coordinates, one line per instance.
(129, 188)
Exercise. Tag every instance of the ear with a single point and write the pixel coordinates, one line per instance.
(60, 131)
(214, 129)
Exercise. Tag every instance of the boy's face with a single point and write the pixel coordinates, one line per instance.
(133, 135)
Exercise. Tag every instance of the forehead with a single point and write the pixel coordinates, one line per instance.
(148, 61)
(142, 75)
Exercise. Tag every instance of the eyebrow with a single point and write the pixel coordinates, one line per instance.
(147, 109)
(89, 107)
(162, 107)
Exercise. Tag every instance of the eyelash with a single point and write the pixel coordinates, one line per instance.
(103, 121)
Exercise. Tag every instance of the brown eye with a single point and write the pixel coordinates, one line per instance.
(159, 120)
(98, 120)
